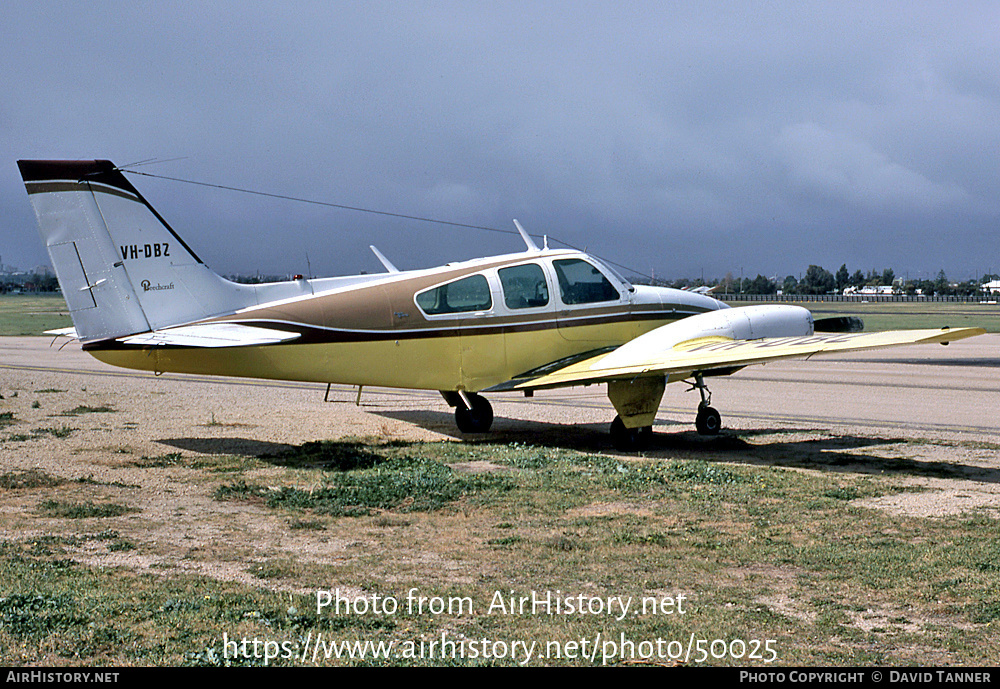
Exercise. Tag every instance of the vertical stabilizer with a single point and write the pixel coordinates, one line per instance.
(122, 269)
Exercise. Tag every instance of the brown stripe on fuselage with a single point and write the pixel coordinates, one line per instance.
(316, 335)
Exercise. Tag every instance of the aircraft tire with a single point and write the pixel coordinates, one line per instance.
(629, 439)
(708, 421)
(475, 420)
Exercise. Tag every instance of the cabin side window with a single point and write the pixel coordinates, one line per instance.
(524, 287)
(468, 294)
(582, 283)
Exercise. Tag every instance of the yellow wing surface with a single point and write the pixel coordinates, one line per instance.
(713, 353)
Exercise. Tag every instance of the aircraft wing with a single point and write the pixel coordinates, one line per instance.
(719, 353)
(211, 335)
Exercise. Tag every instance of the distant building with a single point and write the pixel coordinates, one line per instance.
(871, 290)
(993, 287)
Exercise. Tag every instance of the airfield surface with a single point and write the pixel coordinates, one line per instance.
(931, 389)
(920, 419)
(943, 400)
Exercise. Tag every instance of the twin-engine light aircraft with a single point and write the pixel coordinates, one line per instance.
(141, 298)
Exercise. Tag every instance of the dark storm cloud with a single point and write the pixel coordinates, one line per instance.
(670, 137)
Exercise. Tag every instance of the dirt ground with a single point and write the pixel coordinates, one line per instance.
(77, 419)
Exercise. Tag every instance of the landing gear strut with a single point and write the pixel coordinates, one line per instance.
(473, 413)
(708, 421)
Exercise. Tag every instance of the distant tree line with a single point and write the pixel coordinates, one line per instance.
(28, 282)
(818, 280)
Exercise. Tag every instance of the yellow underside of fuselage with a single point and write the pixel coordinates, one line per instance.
(469, 361)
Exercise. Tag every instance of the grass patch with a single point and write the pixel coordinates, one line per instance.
(212, 423)
(23, 314)
(631, 538)
(345, 455)
(85, 409)
(27, 616)
(224, 464)
(359, 477)
(121, 546)
(30, 478)
(91, 481)
(273, 569)
(402, 484)
(55, 432)
(849, 493)
(757, 552)
(84, 510)
(167, 460)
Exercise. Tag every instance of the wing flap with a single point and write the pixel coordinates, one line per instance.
(704, 354)
(211, 335)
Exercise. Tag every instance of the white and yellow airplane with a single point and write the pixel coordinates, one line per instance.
(141, 298)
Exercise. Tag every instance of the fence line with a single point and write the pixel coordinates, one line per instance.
(968, 299)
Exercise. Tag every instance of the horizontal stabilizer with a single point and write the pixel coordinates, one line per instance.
(64, 332)
(211, 335)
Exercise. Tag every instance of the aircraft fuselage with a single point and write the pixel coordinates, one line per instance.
(399, 331)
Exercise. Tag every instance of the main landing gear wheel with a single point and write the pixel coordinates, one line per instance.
(477, 418)
(629, 439)
(708, 421)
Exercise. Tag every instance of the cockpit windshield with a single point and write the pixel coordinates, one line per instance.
(610, 269)
(582, 283)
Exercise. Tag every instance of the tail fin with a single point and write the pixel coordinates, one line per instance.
(122, 269)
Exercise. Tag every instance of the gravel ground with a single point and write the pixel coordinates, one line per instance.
(930, 406)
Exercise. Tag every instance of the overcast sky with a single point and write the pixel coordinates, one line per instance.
(682, 138)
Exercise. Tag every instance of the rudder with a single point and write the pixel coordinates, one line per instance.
(122, 269)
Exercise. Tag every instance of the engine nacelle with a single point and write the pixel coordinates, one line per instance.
(742, 323)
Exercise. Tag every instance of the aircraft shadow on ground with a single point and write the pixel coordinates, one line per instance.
(247, 447)
(775, 447)
(681, 441)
